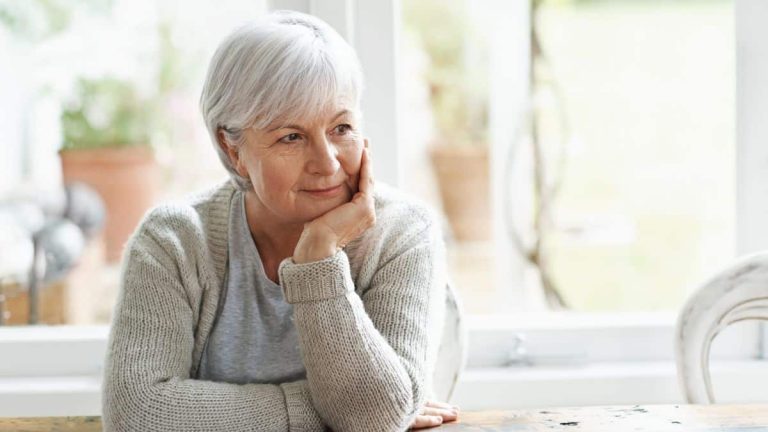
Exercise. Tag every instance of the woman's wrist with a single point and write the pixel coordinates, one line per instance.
(314, 247)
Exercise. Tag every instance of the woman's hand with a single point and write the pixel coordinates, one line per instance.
(332, 231)
(434, 414)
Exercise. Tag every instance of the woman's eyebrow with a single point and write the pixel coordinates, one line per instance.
(339, 114)
(294, 126)
(284, 126)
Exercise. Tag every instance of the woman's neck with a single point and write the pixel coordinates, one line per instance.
(274, 240)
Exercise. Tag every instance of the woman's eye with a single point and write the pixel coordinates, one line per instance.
(290, 138)
(343, 129)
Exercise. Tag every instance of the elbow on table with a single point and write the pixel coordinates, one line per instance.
(124, 404)
(117, 408)
(120, 405)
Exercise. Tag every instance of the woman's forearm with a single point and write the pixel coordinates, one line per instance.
(186, 404)
(357, 379)
(366, 363)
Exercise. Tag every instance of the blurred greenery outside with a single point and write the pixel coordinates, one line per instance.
(457, 56)
(106, 113)
(97, 73)
(647, 209)
(650, 94)
(109, 112)
(35, 20)
(154, 105)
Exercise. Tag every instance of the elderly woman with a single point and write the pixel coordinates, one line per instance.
(292, 297)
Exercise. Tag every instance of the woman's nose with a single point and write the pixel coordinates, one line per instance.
(323, 158)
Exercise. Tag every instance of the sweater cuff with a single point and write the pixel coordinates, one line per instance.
(302, 415)
(317, 280)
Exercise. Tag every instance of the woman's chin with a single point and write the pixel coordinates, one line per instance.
(315, 207)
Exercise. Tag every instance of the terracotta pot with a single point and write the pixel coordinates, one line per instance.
(126, 178)
(463, 177)
(52, 306)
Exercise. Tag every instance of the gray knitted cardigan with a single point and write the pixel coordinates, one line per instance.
(369, 321)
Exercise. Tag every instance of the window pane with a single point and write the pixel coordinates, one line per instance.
(143, 62)
(648, 202)
(443, 73)
(636, 99)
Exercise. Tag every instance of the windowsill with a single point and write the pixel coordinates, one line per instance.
(599, 338)
(546, 320)
(50, 396)
(52, 350)
(49, 385)
(610, 383)
(549, 338)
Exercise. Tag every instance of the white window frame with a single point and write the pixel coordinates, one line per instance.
(56, 370)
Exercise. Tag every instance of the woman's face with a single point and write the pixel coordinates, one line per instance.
(302, 168)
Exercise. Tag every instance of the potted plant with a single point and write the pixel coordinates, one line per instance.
(106, 129)
(459, 158)
(459, 152)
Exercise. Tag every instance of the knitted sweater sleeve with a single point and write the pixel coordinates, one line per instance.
(147, 384)
(368, 357)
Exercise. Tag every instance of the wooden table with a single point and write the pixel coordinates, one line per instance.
(39, 424)
(645, 418)
(638, 418)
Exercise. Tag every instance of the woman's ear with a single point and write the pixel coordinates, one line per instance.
(232, 152)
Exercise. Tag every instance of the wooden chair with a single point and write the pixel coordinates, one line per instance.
(452, 353)
(737, 293)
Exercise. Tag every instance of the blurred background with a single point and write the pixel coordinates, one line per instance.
(619, 195)
(583, 154)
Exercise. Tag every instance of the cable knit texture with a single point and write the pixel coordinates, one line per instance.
(369, 320)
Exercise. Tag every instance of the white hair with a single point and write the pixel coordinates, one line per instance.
(288, 65)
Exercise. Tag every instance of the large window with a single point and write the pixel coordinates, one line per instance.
(619, 190)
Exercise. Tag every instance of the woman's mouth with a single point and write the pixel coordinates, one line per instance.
(325, 193)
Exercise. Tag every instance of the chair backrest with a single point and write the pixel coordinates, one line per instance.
(452, 353)
(738, 293)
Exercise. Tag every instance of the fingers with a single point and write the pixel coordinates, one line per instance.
(447, 414)
(422, 422)
(434, 414)
(366, 172)
(366, 216)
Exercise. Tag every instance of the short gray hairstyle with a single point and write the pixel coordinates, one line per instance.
(287, 65)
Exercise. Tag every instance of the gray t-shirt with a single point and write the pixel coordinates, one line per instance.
(253, 339)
